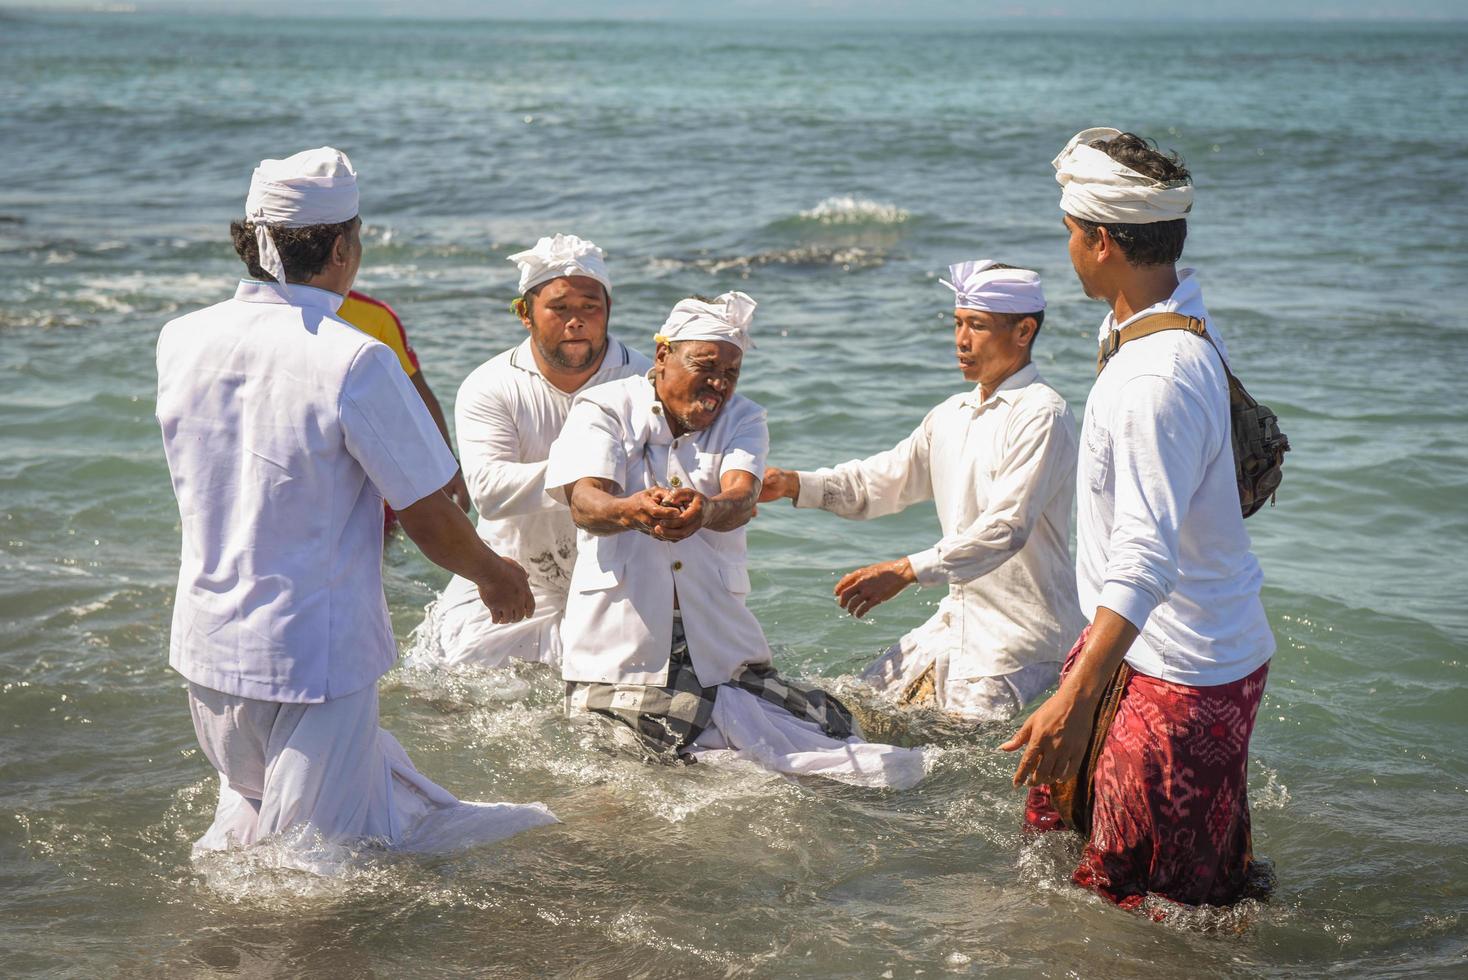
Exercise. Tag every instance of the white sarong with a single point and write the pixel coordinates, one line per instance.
(328, 769)
(752, 729)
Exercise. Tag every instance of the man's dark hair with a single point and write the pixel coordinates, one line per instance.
(1013, 319)
(303, 251)
(1157, 243)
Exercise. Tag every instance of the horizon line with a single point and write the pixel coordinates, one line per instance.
(292, 11)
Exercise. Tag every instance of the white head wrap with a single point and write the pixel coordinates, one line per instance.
(563, 255)
(727, 318)
(314, 187)
(980, 286)
(1097, 188)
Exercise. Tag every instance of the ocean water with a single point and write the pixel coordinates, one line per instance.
(832, 171)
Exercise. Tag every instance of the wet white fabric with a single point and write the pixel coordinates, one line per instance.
(979, 286)
(1002, 473)
(727, 318)
(751, 729)
(976, 699)
(313, 187)
(1097, 188)
(506, 417)
(328, 772)
(558, 256)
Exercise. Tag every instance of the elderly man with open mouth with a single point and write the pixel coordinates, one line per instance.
(661, 473)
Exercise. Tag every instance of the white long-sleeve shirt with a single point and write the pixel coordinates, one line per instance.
(506, 417)
(1160, 536)
(1001, 471)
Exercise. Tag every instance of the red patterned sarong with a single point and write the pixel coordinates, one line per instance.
(1171, 814)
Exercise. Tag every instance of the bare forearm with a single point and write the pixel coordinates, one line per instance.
(1110, 638)
(598, 512)
(447, 538)
(731, 509)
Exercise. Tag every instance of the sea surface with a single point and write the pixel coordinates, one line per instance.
(832, 171)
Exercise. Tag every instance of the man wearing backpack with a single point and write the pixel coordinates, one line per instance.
(1165, 574)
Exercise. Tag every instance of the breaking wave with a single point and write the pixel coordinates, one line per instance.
(850, 210)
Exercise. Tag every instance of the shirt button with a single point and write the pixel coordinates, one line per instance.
(677, 566)
(657, 410)
(676, 482)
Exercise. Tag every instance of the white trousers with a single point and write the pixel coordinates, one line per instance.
(971, 698)
(460, 630)
(328, 769)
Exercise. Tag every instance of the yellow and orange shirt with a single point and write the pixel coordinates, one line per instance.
(377, 320)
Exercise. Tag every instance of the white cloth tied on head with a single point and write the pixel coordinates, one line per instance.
(980, 286)
(313, 187)
(562, 255)
(1097, 188)
(727, 318)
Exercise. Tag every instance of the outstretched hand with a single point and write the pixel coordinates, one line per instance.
(506, 591)
(861, 591)
(779, 483)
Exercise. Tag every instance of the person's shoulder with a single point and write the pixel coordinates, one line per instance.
(615, 393)
(949, 405)
(1040, 397)
(222, 313)
(635, 362)
(494, 373)
(742, 409)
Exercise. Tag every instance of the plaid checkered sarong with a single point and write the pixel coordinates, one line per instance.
(669, 719)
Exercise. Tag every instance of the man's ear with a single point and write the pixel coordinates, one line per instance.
(340, 248)
(1025, 330)
(522, 310)
(1105, 247)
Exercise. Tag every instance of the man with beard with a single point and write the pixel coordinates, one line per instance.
(662, 473)
(507, 414)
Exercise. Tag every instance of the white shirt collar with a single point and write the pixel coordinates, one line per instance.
(1007, 390)
(1186, 299)
(254, 291)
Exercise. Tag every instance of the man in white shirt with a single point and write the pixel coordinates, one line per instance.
(507, 414)
(999, 461)
(1164, 567)
(662, 473)
(285, 429)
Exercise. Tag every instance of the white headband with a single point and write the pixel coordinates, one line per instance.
(314, 187)
(980, 286)
(727, 318)
(563, 255)
(1097, 188)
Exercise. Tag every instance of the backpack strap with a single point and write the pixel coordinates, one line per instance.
(1146, 327)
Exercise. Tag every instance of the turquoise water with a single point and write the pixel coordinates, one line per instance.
(831, 172)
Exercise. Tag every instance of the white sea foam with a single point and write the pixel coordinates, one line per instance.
(850, 210)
